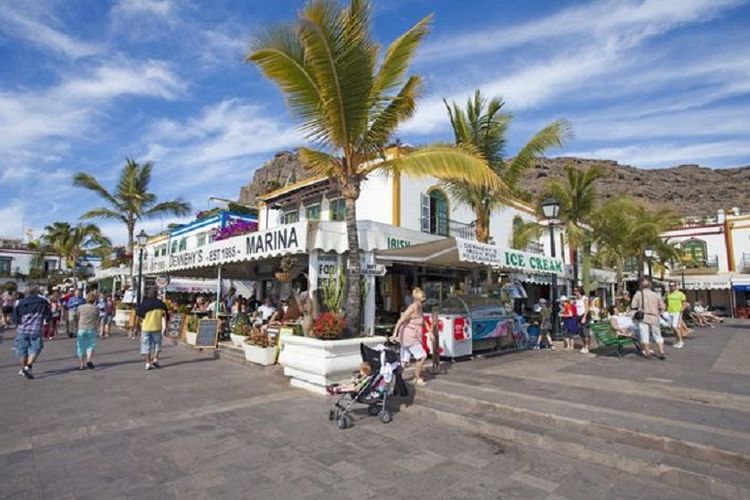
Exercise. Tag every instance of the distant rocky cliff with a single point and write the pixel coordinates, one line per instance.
(690, 189)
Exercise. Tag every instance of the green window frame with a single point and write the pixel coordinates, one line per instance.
(337, 209)
(312, 212)
(183, 244)
(290, 216)
(201, 239)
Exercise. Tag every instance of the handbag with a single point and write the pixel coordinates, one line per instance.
(639, 315)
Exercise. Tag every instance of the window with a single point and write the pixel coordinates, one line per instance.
(50, 265)
(695, 251)
(164, 249)
(5, 266)
(313, 211)
(201, 239)
(174, 246)
(337, 209)
(434, 212)
(290, 217)
(183, 244)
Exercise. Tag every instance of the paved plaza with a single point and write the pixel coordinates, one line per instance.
(503, 427)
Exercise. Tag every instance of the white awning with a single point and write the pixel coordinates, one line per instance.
(191, 285)
(705, 282)
(457, 252)
(741, 280)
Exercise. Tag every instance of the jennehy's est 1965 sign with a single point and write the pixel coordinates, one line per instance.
(290, 238)
(471, 251)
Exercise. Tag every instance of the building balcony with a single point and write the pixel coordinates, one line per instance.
(443, 226)
(535, 247)
(709, 265)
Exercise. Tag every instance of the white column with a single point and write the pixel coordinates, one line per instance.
(218, 293)
(369, 305)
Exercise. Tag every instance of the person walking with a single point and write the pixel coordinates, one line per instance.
(649, 306)
(582, 314)
(106, 306)
(71, 306)
(676, 303)
(408, 330)
(29, 316)
(151, 320)
(50, 329)
(87, 323)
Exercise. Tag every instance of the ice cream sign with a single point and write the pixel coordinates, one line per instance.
(471, 251)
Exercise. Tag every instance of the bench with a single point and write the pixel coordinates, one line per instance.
(606, 336)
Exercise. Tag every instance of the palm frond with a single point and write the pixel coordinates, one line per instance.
(449, 163)
(320, 163)
(88, 181)
(399, 109)
(397, 58)
(552, 136)
(174, 207)
(104, 213)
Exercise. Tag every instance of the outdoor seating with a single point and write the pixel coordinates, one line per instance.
(606, 337)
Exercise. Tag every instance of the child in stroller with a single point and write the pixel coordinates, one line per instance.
(379, 377)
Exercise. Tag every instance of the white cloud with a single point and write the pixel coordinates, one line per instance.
(665, 154)
(33, 121)
(12, 219)
(159, 8)
(35, 28)
(601, 43)
(596, 20)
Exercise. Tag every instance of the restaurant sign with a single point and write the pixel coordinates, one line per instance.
(286, 239)
(471, 251)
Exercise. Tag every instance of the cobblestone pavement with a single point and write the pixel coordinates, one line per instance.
(206, 428)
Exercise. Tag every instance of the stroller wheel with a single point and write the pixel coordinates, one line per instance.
(331, 415)
(342, 422)
(385, 416)
(373, 410)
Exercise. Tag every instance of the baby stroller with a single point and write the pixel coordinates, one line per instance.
(384, 381)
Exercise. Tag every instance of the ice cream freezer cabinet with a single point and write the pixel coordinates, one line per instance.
(467, 323)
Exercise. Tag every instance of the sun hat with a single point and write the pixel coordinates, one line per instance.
(563, 298)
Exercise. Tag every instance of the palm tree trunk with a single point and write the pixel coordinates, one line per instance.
(353, 281)
(620, 275)
(482, 229)
(131, 230)
(586, 268)
(574, 254)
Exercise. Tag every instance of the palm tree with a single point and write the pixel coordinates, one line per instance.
(71, 242)
(524, 233)
(326, 65)
(483, 126)
(131, 200)
(577, 198)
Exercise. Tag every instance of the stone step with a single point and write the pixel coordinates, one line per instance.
(700, 477)
(722, 446)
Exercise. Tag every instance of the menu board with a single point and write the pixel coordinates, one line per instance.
(176, 325)
(208, 330)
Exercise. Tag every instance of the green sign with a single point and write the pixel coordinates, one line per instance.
(397, 243)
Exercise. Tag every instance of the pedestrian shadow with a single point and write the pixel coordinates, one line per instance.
(187, 362)
(53, 373)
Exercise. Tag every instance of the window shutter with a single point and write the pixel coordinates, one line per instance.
(425, 212)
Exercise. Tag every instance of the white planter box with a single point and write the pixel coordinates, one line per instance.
(313, 364)
(191, 337)
(261, 355)
(122, 317)
(238, 341)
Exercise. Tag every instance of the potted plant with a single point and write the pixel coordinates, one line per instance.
(240, 331)
(122, 314)
(191, 334)
(286, 266)
(328, 326)
(259, 349)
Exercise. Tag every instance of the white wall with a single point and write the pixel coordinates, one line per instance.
(714, 237)
(741, 242)
(375, 202)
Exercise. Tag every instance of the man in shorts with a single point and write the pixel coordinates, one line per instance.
(675, 306)
(30, 315)
(651, 305)
(151, 320)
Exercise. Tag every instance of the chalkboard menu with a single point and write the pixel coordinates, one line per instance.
(175, 326)
(208, 330)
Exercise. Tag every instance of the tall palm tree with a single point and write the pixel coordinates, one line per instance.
(483, 125)
(71, 242)
(131, 201)
(326, 65)
(524, 233)
(577, 198)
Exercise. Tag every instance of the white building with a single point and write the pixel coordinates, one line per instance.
(16, 264)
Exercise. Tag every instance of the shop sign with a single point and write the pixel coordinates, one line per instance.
(289, 238)
(397, 243)
(471, 251)
(162, 280)
(373, 270)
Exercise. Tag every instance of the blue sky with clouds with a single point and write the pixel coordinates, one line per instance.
(85, 83)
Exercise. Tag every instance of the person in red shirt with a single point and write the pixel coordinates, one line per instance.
(570, 321)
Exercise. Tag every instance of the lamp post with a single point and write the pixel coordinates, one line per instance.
(649, 253)
(141, 238)
(551, 209)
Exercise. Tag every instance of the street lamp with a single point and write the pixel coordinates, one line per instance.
(649, 253)
(141, 238)
(551, 209)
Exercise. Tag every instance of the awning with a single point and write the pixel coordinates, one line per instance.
(191, 285)
(457, 252)
(708, 282)
(740, 280)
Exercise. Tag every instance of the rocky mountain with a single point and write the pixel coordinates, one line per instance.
(691, 190)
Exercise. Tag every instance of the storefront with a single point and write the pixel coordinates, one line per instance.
(712, 291)
(740, 295)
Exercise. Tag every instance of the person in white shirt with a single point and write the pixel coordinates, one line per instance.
(622, 323)
(264, 313)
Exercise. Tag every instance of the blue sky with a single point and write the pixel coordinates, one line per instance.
(85, 83)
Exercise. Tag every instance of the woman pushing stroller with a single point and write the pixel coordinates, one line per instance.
(408, 331)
